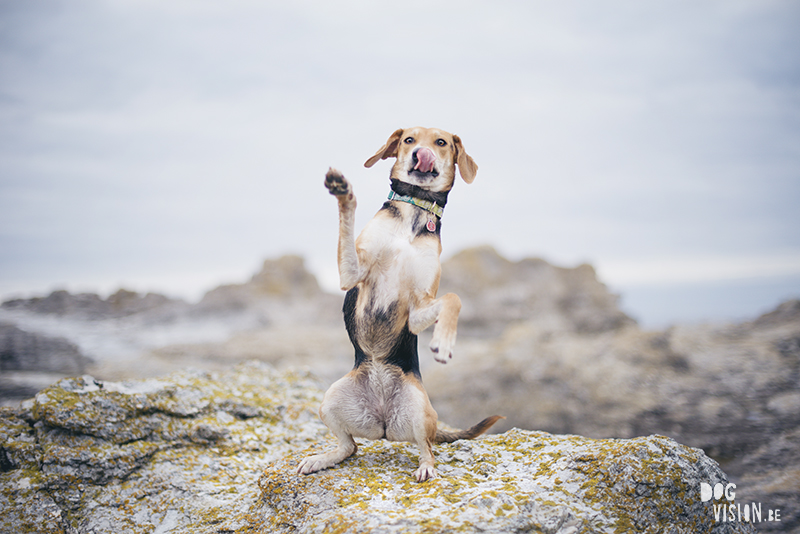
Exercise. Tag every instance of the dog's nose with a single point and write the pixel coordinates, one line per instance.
(424, 158)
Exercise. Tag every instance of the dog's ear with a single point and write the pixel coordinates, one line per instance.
(466, 165)
(389, 150)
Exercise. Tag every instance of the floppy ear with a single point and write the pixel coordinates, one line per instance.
(389, 150)
(466, 165)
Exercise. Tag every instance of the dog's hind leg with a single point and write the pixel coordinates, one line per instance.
(413, 419)
(349, 270)
(426, 462)
(425, 436)
(347, 447)
(340, 412)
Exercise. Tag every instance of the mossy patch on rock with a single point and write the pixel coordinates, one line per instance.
(519, 481)
(180, 453)
(197, 453)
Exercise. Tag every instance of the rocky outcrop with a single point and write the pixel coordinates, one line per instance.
(496, 293)
(545, 346)
(518, 481)
(25, 351)
(732, 390)
(280, 315)
(284, 279)
(91, 306)
(199, 452)
(29, 361)
(180, 453)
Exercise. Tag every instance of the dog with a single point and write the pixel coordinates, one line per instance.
(391, 276)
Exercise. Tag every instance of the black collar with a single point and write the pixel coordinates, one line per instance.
(409, 190)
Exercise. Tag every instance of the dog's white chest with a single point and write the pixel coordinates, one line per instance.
(401, 263)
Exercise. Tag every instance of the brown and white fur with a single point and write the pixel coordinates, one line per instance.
(391, 275)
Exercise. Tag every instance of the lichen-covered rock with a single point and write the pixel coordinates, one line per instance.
(201, 453)
(731, 390)
(519, 481)
(178, 454)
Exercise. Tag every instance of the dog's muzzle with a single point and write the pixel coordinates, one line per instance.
(424, 159)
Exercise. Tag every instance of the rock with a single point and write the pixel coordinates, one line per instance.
(286, 276)
(519, 481)
(91, 306)
(26, 351)
(726, 389)
(496, 293)
(26, 357)
(731, 390)
(280, 315)
(196, 453)
(182, 451)
(30, 361)
(285, 279)
(545, 346)
(786, 312)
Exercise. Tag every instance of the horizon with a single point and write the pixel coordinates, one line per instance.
(653, 306)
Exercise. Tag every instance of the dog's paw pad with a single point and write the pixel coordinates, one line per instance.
(336, 183)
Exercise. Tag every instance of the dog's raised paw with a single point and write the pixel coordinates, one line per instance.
(442, 351)
(336, 183)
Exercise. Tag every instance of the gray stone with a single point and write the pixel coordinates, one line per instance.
(168, 454)
(731, 390)
(496, 292)
(518, 481)
(89, 305)
(27, 351)
(197, 452)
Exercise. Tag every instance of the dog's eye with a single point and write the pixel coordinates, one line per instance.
(441, 142)
(408, 140)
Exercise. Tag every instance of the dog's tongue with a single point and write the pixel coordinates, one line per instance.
(425, 160)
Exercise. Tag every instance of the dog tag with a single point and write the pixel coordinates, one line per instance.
(431, 225)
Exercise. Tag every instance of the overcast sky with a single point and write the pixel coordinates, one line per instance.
(174, 145)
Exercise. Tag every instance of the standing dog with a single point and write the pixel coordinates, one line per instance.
(391, 275)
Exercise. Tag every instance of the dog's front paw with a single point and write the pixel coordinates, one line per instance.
(336, 183)
(442, 348)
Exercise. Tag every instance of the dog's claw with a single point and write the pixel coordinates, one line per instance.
(425, 473)
(336, 183)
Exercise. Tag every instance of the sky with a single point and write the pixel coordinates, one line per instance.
(172, 146)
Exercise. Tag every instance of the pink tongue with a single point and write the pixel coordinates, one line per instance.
(425, 160)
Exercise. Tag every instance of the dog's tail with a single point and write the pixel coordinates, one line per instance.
(443, 436)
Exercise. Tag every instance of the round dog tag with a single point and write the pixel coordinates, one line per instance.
(431, 225)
